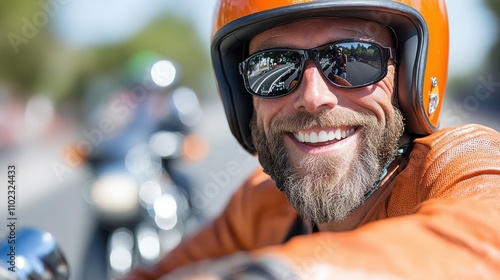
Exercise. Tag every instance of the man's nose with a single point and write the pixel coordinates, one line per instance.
(314, 94)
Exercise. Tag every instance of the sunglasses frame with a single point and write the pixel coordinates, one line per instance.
(313, 53)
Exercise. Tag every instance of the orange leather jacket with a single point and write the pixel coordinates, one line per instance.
(438, 217)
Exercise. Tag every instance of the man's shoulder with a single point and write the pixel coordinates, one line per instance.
(456, 146)
(469, 134)
(260, 189)
(439, 164)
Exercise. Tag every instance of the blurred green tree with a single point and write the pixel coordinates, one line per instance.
(33, 61)
(24, 44)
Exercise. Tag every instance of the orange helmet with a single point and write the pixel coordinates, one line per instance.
(420, 26)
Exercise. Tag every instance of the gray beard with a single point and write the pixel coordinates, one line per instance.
(314, 187)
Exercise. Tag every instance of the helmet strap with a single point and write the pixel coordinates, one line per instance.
(401, 150)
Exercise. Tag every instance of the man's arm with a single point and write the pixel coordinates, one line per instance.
(443, 239)
(453, 232)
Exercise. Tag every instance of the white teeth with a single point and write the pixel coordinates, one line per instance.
(338, 134)
(323, 135)
(331, 135)
(313, 137)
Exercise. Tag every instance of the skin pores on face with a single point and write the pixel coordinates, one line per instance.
(326, 180)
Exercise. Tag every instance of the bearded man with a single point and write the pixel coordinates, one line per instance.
(358, 181)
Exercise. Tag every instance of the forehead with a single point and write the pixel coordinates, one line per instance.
(311, 33)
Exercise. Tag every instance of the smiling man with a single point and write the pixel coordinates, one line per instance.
(325, 146)
(357, 179)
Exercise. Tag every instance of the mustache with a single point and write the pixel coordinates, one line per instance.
(324, 119)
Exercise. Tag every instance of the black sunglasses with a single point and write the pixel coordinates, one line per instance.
(277, 72)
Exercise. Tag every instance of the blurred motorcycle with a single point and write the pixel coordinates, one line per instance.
(142, 201)
(30, 253)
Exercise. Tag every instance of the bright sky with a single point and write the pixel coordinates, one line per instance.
(472, 27)
(471, 24)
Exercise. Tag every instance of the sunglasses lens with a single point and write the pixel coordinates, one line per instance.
(273, 73)
(352, 64)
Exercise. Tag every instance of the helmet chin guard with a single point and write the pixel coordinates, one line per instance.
(420, 27)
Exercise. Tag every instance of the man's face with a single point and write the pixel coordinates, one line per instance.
(325, 179)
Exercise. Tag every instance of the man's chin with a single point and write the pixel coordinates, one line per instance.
(327, 188)
(320, 201)
(320, 166)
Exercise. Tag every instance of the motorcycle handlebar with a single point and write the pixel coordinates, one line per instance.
(30, 253)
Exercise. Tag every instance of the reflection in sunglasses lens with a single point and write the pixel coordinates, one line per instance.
(273, 73)
(276, 72)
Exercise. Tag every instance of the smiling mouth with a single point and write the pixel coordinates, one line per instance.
(323, 136)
